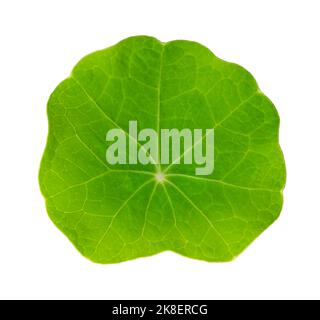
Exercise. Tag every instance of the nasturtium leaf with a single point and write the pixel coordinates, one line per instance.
(113, 213)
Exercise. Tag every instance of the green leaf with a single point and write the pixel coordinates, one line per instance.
(113, 213)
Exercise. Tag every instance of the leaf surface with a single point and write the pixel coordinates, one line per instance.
(121, 212)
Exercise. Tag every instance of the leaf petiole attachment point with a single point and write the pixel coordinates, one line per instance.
(160, 177)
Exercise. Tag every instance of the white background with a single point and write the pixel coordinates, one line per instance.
(278, 41)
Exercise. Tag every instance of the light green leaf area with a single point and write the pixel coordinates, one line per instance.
(121, 212)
